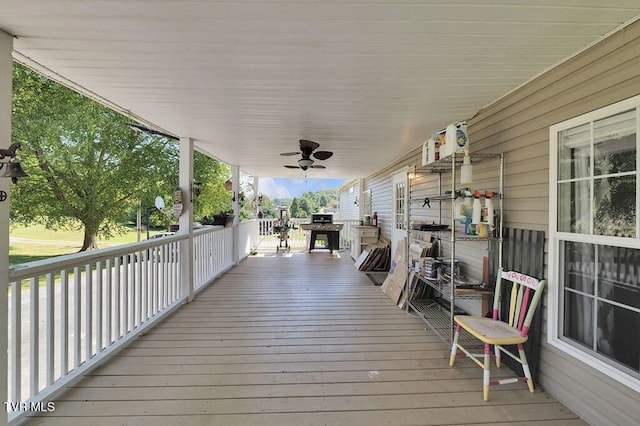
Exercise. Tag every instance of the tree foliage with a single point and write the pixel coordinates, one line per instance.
(311, 202)
(211, 175)
(86, 166)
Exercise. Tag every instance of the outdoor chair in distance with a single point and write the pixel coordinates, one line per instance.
(524, 298)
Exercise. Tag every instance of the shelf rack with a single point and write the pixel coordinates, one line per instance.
(433, 313)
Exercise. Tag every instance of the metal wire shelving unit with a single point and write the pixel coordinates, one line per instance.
(436, 309)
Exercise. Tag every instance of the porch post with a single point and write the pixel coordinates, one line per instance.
(6, 46)
(235, 179)
(185, 179)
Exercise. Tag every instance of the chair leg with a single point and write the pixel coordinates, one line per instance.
(454, 346)
(496, 348)
(525, 368)
(487, 371)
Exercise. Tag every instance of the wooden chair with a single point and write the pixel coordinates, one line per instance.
(493, 331)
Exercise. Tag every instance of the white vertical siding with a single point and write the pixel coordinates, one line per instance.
(381, 191)
(349, 208)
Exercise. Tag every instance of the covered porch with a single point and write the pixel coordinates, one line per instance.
(190, 327)
(298, 338)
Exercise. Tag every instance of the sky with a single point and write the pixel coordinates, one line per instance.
(290, 188)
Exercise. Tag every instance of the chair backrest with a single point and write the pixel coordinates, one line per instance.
(522, 305)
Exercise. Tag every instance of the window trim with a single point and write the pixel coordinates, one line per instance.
(555, 296)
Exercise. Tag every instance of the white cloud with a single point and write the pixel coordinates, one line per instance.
(271, 189)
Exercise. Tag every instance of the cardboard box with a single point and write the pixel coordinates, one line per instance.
(393, 285)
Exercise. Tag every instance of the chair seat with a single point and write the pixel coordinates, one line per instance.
(490, 331)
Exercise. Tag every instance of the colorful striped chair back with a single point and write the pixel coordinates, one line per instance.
(522, 303)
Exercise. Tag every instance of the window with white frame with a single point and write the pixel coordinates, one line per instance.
(594, 252)
(400, 205)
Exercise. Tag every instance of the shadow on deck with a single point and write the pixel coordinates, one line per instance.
(293, 339)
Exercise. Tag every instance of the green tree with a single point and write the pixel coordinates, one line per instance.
(211, 175)
(87, 168)
(305, 207)
(295, 208)
(267, 207)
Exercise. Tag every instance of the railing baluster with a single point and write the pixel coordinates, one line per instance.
(176, 265)
(163, 273)
(168, 267)
(132, 292)
(50, 327)
(64, 322)
(154, 281)
(108, 305)
(203, 261)
(116, 301)
(88, 311)
(138, 288)
(98, 308)
(16, 341)
(35, 336)
(77, 312)
(125, 297)
(145, 287)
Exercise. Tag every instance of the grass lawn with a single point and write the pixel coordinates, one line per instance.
(27, 244)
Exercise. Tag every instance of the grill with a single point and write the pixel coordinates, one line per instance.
(322, 224)
(321, 218)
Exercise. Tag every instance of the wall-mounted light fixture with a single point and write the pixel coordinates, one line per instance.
(13, 167)
(355, 201)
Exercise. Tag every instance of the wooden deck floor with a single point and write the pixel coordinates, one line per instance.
(298, 339)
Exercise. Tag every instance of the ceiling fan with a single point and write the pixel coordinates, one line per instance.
(308, 150)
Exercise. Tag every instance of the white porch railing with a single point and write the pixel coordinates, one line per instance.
(69, 313)
(298, 237)
(247, 237)
(212, 254)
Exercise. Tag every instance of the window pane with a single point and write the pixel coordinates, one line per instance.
(578, 318)
(578, 268)
(574, 147)
(615, 144)
(615, 206)
(574, 207)
(618, 275)
(619, 334)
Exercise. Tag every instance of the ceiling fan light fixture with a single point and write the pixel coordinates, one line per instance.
(305, 162)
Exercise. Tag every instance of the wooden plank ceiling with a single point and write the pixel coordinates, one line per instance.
(369, 80)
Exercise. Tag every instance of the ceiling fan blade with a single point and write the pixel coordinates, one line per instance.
(290, 153)
(292, 167)
(317, 166)
(309, 145)
(322, 155)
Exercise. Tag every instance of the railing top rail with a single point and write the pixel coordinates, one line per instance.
(30, 269)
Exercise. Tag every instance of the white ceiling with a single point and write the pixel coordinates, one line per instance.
(369, 80)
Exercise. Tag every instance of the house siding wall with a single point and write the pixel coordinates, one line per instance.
(381, 191)
(518, 125)
(349, 210)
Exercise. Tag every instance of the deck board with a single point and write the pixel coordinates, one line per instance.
(303, 339)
